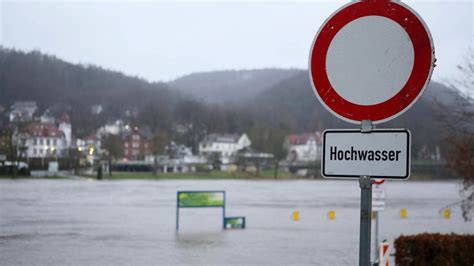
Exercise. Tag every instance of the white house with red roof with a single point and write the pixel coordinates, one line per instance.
(42, 140)
(304, 147)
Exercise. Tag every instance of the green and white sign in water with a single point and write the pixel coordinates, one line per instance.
(201, 199)
(234, 222)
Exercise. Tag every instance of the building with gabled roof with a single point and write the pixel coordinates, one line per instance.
(225, 145)
(22, 111)
(137, 144)
(303, 147)
(42, 140)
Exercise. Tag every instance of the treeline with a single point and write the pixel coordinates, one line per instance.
(267, 115)
(61, 86)
(292, 104)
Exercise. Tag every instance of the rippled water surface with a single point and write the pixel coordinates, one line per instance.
(84, 222)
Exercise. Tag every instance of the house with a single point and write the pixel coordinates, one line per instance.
(47, 117)
(91, 144)
(425, 153)
(89, 147)
(96, 109)
(137, 144)
(179, 158)
(22, 111)
(182, 129)
(114, 128)
(225, 146)
(41, 140)
(178, 151)
(304, 147)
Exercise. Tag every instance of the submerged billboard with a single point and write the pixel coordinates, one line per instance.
(201, 199)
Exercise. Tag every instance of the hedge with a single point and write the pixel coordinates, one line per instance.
(435, 249)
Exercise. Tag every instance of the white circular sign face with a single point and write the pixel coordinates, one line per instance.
(371, 60)
(368, 74)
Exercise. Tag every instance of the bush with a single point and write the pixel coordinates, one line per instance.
(434, 249)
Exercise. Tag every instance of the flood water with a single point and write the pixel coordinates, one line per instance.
(132, 222)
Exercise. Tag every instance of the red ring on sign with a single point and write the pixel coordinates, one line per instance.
(419, 77)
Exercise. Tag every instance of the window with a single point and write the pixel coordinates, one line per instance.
(41, 141)
(47, 142)
(135, 145)
(54, 142)
(126, 144)
(35, 142)
(40, 151)
(34, 151)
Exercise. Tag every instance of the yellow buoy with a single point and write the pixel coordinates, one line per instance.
(296, 216)
(447, 213)
(403, 213)
(332, 214)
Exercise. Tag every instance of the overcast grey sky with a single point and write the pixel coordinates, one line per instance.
(164, 40)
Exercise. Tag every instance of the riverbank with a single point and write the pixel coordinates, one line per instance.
(212, 175)
(237, 175)
(32, 177)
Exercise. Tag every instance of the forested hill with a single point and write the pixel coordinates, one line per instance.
(231, 86)
(48, 80)
(267, 104)
(61, 86)
(292, 104)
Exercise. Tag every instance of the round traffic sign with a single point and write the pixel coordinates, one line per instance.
(371, 60)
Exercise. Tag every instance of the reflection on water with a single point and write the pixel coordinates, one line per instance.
(78, 222)
(206, 239)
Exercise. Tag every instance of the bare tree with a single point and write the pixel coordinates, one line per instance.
(458, 119)
(160, 140)
(113, 145)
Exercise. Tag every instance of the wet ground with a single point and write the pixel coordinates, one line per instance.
(85, 222)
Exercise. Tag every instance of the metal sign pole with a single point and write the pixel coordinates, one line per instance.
(365, 220)
(177, 211)
(365, 208)
(223, 213)
(376, 238)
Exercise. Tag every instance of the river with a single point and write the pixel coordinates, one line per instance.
(132, 222)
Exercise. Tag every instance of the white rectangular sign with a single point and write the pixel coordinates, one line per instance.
(378, 205)
(378, 193)
(381, 153)
(378, 198)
